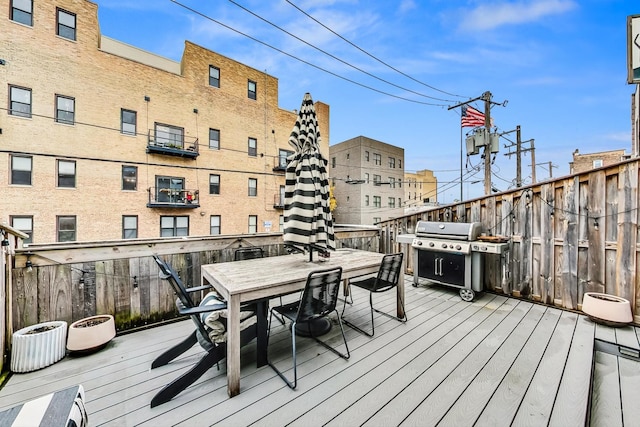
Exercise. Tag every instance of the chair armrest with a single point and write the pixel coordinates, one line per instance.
(198, 288)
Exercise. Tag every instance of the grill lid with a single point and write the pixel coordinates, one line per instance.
(449, 230)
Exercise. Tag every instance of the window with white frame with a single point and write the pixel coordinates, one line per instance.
(21, 170)
(598, 163)
(22, 11)
(66, 24)
(24, 224)
(214, 225)
(128, 121)
(392, 202)
(366, 200)
(377, 159)
(253, 187)
(169, 136)
(214, 76)
(19, 101)
(377, 202)
(281, 223)
(252, 147)
(392, 162)
(214, 184)
(366, 156)
(66, 228)
(129, 178)
(65, 109)
(174, 226)
(214, 139)
(253, 223)
(252, 89)
(66, 173)
(129, 226)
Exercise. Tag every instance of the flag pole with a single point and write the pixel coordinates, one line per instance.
(461, 151)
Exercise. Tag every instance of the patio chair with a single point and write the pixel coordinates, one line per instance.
(318, 300)
(386, 280)
(209, 319)
(252, 253)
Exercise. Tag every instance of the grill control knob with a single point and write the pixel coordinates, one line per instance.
(444, 246)
(458, 247)
(419, 242)
(431, 244)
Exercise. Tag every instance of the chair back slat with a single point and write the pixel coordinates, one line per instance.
(248, 253)
(389, 273)
(320, 294)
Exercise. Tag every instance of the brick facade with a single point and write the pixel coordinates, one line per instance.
(104, 76)
(585, 162)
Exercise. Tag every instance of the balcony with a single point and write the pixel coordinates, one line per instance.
(179, 198)
(177, 145)
(278, 201)
(281, 161)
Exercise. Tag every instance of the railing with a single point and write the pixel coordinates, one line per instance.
(278, 202)
(72, 281)
(181, 147)
(281, 164)
(173, 198)
(568, 236)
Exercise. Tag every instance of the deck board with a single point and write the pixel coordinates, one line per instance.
(496, 361)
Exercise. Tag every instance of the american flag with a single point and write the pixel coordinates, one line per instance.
(471, 117)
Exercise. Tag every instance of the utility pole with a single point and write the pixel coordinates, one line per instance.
(550, 164)
(518, 153)
(487, 145)
(533, 163)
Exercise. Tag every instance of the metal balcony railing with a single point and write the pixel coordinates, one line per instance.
(173, 198)
(281, 164)
(278, 202)
(181, 146)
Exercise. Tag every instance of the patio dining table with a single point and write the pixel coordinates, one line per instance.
(264, 278)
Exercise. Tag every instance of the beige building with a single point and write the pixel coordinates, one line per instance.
(420, 189)
(585, 162)
(102, 140)
(367, 175)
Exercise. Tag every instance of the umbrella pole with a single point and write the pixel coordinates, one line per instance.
(310, 253)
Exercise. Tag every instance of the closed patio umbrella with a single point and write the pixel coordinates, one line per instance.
(308, 223)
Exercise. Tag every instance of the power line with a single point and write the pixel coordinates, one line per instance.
(302, 60)
(374, 57)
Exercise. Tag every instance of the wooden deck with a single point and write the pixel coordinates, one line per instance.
(496, 361)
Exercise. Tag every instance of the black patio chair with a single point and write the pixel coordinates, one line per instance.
(386, 280)
(318, 300)
(215, 352)
(252, 253)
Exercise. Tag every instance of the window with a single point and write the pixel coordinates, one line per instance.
(348, 156)
(377, 159)
(214, 184)
(392, 163)
(376, 219)
(214, 225)
(129, 226)
(366, 200)
(377, 202)
(399, 202)
(253, 223)
(130, 178)
(282, 158)
(168, 189)
(128, 121)
(392, 182)
(392, 202)
(214, 76)
(253, 187)
(598, 163)
(169, 136)
(252, 88)
(366, 178)
(400, 183)
(65, 109)
(281, 222)
(66, 228)
(66, 24)
(24, 224)
(19, 101)
(399, 164)
(21, 167)
(366, 156)
(377, 179)
(333, 162)
(66, 174)
(253, 147)
(214, 139)
(174, 226)
(22, 11)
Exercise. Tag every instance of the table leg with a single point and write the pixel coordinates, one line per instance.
(233, 346)
(262, 326)
(400, 296)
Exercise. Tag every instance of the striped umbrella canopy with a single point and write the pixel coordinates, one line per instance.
(308, 223)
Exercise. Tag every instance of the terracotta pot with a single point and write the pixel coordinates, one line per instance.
(38, 346)
(91, 333)
(607, 309)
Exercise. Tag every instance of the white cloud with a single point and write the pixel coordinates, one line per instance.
(406, 6)
(490, 16)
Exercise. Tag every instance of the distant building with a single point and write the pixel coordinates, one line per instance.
(585, 162)
(103, 140)
(368, 177)
(420, 189)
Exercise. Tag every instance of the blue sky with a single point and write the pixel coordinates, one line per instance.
(561, 64)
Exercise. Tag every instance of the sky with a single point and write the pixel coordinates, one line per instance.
(391, 69)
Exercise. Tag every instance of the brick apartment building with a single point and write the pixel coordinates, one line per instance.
(588, 161)
(420, 189)
(367, 175)
(103, 141)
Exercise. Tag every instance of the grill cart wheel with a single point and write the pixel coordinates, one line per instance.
(467, 294)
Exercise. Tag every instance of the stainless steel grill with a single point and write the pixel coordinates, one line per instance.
(449, 253)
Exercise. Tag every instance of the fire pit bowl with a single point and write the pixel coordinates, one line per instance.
(91, 333)
(38, 346)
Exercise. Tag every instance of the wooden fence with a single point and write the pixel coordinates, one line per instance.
(568, 236)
